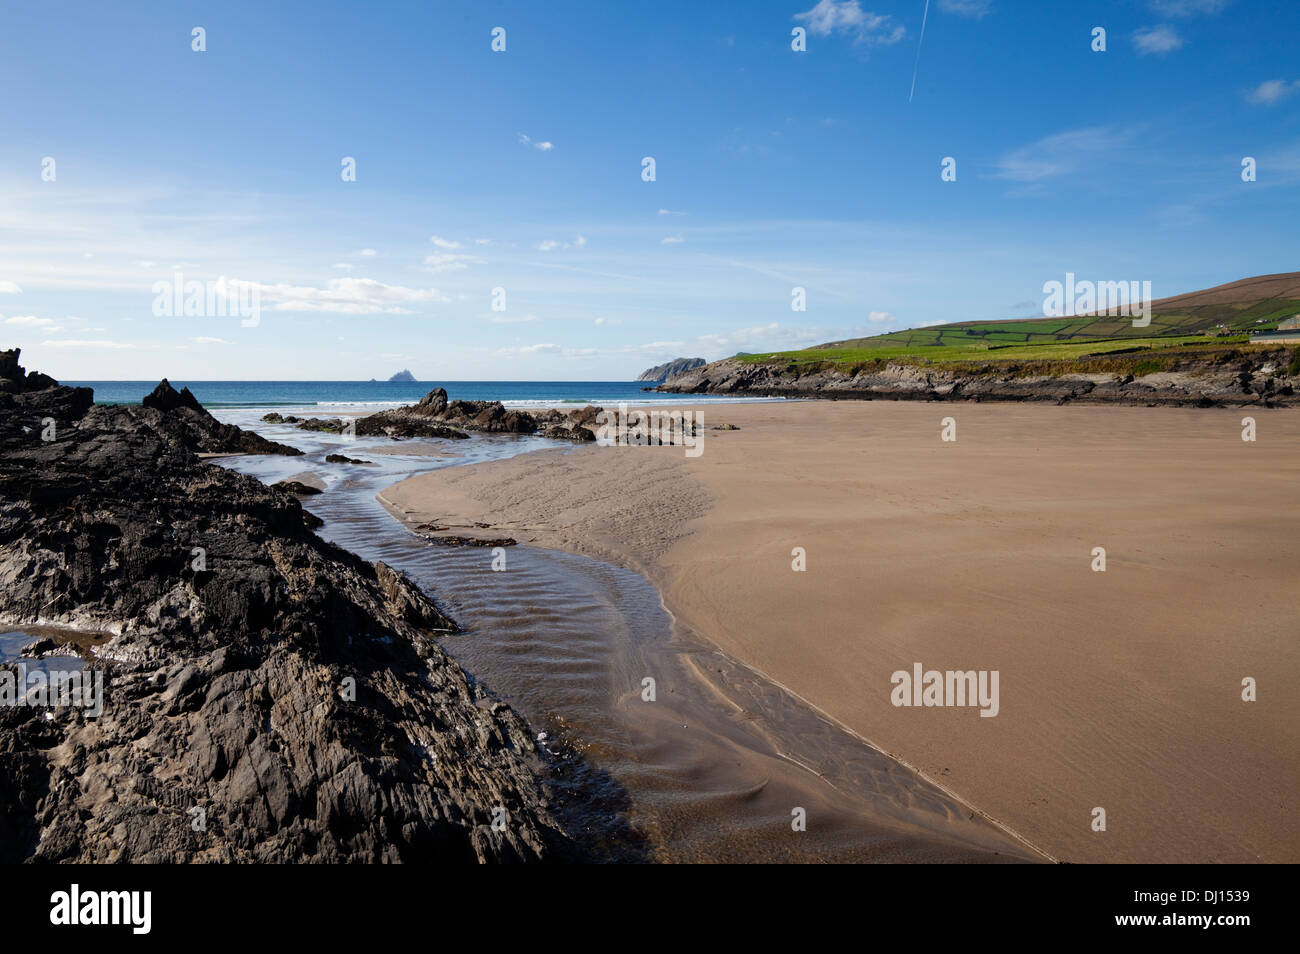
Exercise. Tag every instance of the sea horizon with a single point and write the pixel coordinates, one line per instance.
(379, 394)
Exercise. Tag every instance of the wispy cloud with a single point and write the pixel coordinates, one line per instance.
(967, 8)
(1060, 153)
(542, 146)
(1272, 91)
(441, 242)
(450, 261)
(348, 296)
(77, 343)
(670, 212)
(1157, 39)
(31, 321)
(10, 288)
(550, 245)
(672, 240)
(501, 318)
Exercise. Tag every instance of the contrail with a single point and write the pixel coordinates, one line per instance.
(918, 49)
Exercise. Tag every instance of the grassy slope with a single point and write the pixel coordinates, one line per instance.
(1254, 304)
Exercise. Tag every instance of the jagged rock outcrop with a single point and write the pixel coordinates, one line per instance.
(281, 689)
(180, 414)
(1188, 378)
(433, 413)
(669, 369)
(34, 401)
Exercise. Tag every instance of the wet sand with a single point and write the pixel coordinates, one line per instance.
(1118, 689)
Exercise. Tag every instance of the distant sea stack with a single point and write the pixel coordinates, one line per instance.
(663, 372)
(403, 376)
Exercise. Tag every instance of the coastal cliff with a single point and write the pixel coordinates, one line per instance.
(662, 372)
(267, 696)
(1198, 377)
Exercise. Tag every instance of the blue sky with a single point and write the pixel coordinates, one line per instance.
(522, 170)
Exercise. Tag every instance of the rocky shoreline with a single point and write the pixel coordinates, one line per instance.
(269, 696)
(1266, 377)
(434, 416)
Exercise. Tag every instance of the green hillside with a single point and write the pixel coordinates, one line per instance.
(1223, 315)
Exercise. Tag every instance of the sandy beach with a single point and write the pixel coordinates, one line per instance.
(1119, 690)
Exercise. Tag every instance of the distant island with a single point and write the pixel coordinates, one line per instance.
(662, 372)
(403, 376)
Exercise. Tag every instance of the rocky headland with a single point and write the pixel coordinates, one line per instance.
(268, 696)
(669, 369)
(1203, 378)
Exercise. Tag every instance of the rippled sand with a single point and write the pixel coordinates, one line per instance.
(1119, 690)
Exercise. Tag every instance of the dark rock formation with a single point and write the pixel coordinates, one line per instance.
(34, 401)
(433, 413)
(341, 459)
(668, 370)
(297, 488)
(404, 376)
(286, 692)
(443, 535)
(1198, 377)
(183, 417)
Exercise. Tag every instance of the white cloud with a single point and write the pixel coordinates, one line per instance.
(607, 321)
(145, 264)
(31, 321)
(1157, 39)
(368, 253)
(541, 146)
(580, 241)
(1271, 91)
(441, 242)
(449, 262)
(880, 317)
(547, 246)
(848, 17)
(219, 341)
(670, 212)
(342, 266)
(967, 8)
(74, 343)
(10, 288)
(672, 240)
(348, 296)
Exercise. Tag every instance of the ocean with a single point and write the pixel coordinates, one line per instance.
(377, 394)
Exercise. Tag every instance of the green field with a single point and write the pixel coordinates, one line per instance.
(1071, 339)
